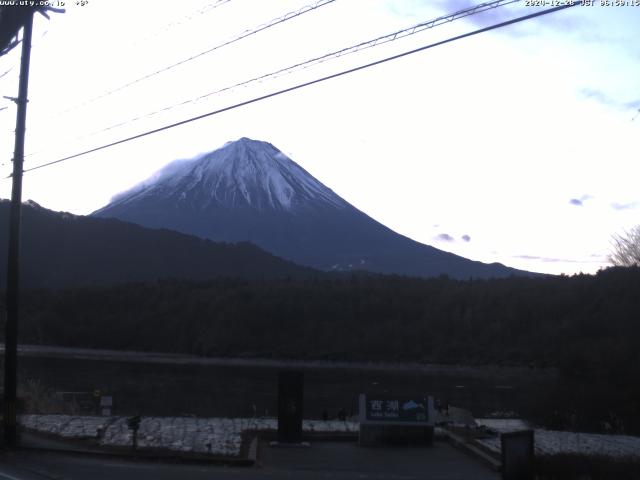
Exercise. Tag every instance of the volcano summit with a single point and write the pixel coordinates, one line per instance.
(249, 190)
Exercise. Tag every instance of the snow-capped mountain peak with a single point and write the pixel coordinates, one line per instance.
(249, 190)
(243, 173)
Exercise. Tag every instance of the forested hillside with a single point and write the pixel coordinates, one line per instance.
(545, 321)
(60, 250)
(588, 326)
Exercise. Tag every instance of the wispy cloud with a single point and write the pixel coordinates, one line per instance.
(445, 237)
(545, 259)
(625, 206)
(528, 257)
(539, 258)
(563, 23)
(466, 238)
(567, 23)
(445, 7)
(579, 202)
(605, 98)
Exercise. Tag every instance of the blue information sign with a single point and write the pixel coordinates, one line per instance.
(401, 410)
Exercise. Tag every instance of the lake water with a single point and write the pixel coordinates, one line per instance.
(165, 389)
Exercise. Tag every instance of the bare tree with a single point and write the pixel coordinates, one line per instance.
(625, 249)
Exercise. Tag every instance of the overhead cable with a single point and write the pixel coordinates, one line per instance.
(243, 35)
(309, 83)
(200, 11)
(308, 63)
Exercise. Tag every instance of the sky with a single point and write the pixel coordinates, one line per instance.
(518, 145)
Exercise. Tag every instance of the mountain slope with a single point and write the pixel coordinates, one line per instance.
(250, 191)
(64, 250)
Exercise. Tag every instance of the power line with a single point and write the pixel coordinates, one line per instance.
(8, 57)
(333, 55)
(317, 60)
(309, 83)
(200, 11)
(6, 72)
(33, 45)
(243, 35)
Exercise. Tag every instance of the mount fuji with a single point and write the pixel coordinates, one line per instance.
(248, 190)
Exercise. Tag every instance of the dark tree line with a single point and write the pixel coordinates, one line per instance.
(556, 321)
(587, 326)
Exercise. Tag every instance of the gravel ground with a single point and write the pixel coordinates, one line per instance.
(551, 442)
(216, 436)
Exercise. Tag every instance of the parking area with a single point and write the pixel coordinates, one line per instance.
(348, 460)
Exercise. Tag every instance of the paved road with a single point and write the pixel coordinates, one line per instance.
(323, 460)
(346, 460)
(490, 371)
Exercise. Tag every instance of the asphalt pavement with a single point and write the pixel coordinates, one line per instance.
(322, 460)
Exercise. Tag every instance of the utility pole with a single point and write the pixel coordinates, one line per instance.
(13, 270)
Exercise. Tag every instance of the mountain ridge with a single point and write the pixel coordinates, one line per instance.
(62, 250)
(248, 190)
